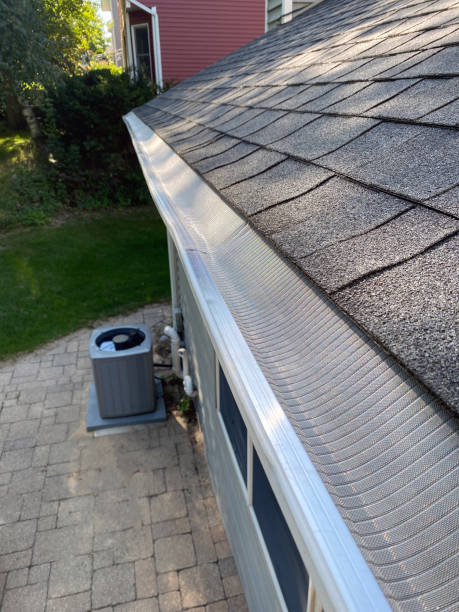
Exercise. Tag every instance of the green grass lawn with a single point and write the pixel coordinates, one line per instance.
(54, 280)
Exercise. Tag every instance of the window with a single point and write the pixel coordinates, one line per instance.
(142, 57)
(288, 565)
(234, 424)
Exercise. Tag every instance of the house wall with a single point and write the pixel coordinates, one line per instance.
(116, 34)
(257, 576)
(196, 34)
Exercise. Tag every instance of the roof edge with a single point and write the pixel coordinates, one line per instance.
(336, 565)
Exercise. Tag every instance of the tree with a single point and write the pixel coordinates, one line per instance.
(40, 40)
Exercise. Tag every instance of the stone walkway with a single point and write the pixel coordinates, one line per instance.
(124, 522)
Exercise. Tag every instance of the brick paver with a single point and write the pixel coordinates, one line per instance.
(124, 522)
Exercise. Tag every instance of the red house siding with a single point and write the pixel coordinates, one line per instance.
(194, 34)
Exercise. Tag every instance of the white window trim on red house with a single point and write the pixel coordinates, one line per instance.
(139, 26)
(155, 35)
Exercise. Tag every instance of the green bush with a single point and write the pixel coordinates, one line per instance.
(30, 190)
(30, 196)
(88, 143)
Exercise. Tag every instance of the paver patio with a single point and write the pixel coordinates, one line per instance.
(124, 522)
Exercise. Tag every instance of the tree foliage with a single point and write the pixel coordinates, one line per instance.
(87, 138)
(42, 39)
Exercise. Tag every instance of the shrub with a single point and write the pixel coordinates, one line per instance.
(88, 142)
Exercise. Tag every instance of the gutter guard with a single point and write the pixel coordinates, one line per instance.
(332, 558)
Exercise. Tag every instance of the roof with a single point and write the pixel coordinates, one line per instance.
(315, 392)
(336, 136)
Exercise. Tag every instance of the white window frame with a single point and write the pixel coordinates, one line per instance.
(139, 26)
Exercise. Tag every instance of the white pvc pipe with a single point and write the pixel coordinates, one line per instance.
(187, 380)
(175, 346)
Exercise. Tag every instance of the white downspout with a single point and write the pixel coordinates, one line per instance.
(157, 47)
(156, 44)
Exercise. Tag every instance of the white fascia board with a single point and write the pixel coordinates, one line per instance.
(335, 564)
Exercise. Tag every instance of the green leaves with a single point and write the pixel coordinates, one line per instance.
(41, 39)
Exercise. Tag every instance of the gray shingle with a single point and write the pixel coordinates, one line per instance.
(305, 95)
(396, 70)
(380, 65)
(213, 112)
(436, 20)
(444, 62)
(393, 242)
(287, 180)
(287, 124)
(365, 148)
(258, 122)
(419, 168)
(238, 95)
(223, 143)
(411, 310)
(448, 115)
(227, 157)
(277, 77)
(389, 45)
(427, 39)
(321, 63)
(420, 99)
(279, 95)
(450, 39)
(323, 136)
(341, 70)
(252, 94)
(312, 73)
(314, 231)
(236, 121)
(355, 50)
(174, 125)
(337, 94)
(182, 135)
(447, 202)
(230, 114)
(256, 162)
(370, 96)
(335, 211)
(199, 140)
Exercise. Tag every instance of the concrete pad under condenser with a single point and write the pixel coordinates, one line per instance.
(95, 422)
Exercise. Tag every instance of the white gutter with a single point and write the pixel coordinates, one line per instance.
(335, 564)
(156, 42)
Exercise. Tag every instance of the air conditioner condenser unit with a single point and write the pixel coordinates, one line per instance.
(125, 391)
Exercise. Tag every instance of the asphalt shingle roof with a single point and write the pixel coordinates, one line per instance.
(336, 136)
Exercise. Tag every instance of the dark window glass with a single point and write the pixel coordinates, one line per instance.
(291, 573)
(235, 426)
(142, 49)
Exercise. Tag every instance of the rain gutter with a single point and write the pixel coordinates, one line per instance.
(335, 564)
